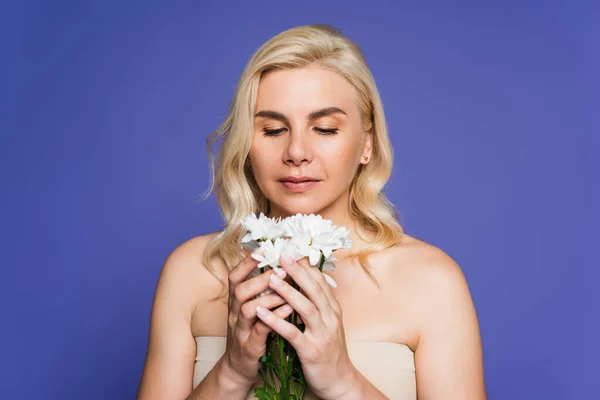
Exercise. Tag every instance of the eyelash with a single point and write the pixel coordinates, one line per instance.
(276, 132)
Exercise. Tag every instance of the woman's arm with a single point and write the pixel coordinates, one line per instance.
(220, 383)
(169, 367)
(449, 360)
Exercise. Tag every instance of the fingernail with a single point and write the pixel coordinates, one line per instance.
(287, 258)
(287, 308)
(276, 281)
(265, 292)
(280, 273)
(262, 311)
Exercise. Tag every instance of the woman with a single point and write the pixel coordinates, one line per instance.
(306, 133)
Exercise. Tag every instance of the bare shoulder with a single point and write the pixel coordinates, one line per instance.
(185, 264)
(204, 286)
(438, 287)
(427, 267)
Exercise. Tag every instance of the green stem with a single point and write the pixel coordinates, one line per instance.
(272, 385)
(282, 365)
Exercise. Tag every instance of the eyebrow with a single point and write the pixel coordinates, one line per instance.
(313, 115)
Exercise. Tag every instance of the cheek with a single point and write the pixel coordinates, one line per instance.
(338, 154)
(339, 161)
(262, 159)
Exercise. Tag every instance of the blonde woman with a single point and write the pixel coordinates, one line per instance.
(306, 133)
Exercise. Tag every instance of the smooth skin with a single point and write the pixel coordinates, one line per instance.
(423, 302)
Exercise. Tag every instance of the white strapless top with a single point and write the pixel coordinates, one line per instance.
(390, 367)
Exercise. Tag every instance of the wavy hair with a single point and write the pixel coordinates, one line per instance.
(232, 180)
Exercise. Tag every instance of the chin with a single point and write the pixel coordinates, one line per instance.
(305, 207)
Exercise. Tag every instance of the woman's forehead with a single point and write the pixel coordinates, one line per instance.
(304, 90)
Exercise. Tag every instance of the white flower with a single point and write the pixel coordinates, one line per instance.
(313, 235)
(259, 229)
(296, 236)
(269, 252)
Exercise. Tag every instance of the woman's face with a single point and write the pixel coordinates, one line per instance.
(307, 125)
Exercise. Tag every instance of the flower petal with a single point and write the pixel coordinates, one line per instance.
(314, 256)
(326, 251)
(330, 281)
(328, 266)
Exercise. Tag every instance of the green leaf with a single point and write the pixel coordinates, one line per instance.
(261, 394)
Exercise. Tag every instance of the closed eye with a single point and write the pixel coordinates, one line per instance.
(272, 132)
(276, 132)
(327, 131)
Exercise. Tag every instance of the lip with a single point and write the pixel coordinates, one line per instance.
(297, 179)
(299, 186)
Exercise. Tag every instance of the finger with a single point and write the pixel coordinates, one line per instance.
(238, 274)
(249, 290)
(286, 329)
(247, 315)
(319, 277)
(312, 283)
(305, 308)
(258, 336)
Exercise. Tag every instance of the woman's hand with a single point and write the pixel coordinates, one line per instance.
(247, 336)
(321, 348)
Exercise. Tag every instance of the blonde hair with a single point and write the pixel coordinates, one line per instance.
(232, 180)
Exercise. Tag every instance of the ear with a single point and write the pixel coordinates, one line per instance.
(367, 149)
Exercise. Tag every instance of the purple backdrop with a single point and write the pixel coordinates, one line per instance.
(105, 109)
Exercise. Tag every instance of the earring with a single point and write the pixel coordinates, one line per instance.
(365, 158)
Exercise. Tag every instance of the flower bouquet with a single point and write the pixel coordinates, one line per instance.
(296, 237)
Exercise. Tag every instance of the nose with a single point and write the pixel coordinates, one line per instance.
(298, 149)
